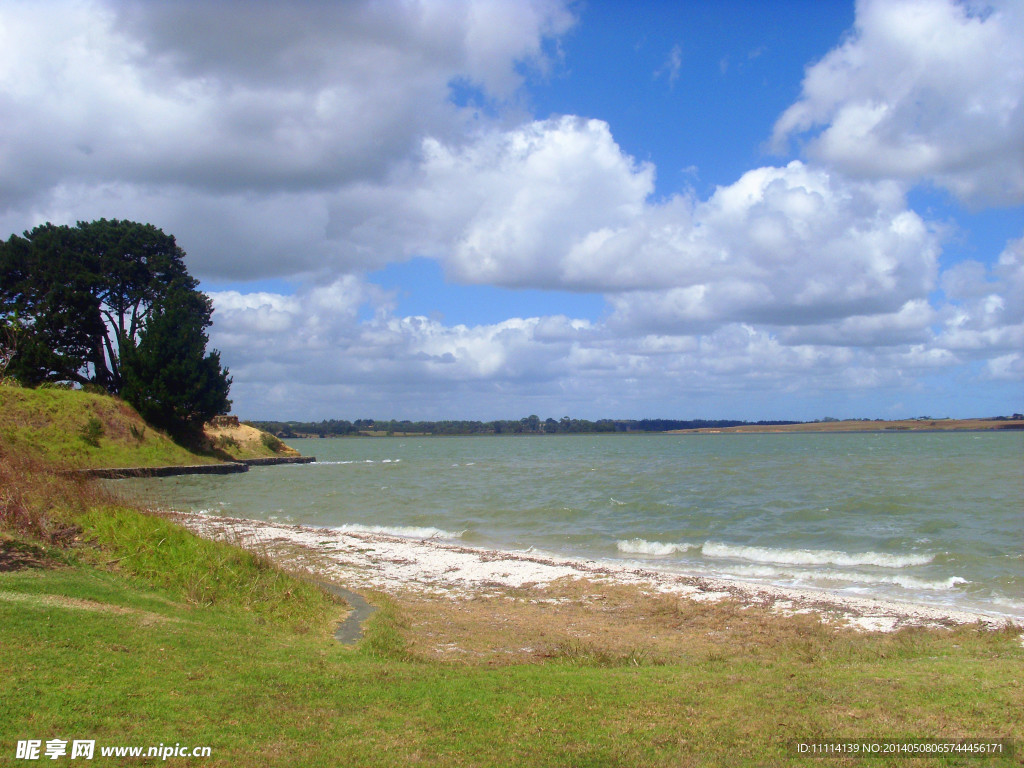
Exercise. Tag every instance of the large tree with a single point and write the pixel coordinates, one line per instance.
(83, 295)
(111, 303)
(169, 377)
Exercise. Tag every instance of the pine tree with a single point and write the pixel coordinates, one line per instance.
(169, 377)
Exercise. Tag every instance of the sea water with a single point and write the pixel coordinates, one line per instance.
(933, 518)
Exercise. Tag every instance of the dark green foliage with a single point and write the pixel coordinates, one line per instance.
(110, 305)
(169, 378)
(271, 442)
(92, 432)
(83, 294)
(46, 292)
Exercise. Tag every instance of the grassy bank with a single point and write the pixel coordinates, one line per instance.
(79, 429)
(132, 631)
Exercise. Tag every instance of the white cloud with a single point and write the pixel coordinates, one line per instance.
(672, 66)
(531, 194)
(922, 90)
(1006, 367)
(782, 245)
(218, 97)
(247, 130)
(557, 205)
(418, 367)
(984, 316)
(910, 325)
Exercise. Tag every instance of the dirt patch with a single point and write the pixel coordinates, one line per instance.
(243, 440)
(81, 604)
(17, 556)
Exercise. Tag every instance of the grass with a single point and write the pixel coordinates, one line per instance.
(163, 670)
(79, 429)
(134, 631)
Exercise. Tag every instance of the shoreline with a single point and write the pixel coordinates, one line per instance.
(439, 568)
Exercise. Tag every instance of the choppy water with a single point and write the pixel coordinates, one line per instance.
(935, 518)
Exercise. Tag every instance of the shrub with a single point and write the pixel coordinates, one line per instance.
(92, 432)
(94, 389)
(271, 442)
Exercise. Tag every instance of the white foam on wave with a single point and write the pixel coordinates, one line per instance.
(405, 531)
(768, 572)
(644, 547)
(811, 556)
(354, 461)
(1005, 602)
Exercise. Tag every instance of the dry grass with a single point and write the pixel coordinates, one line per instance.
(38, 503)
(600, 624)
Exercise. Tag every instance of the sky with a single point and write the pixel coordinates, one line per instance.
(484, 209)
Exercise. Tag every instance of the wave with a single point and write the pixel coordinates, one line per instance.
(811, 556)
(1017, 605)
(405, 531)
(351, 461)
(907, 582)
(643, 547)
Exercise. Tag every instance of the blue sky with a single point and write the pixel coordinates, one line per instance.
(487, 208)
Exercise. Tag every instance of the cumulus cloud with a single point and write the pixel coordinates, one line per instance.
(922, 90)
(242, 99)
(784, 245)
(558, 205)
(344, 339)
(984, 315)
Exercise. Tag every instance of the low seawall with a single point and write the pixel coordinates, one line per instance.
(277, 460)
(117, 473)
(224, 468)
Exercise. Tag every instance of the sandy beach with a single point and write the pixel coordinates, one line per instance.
(441, 569)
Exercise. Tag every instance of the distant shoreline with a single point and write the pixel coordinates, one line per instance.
(293, 431)
(864, 426)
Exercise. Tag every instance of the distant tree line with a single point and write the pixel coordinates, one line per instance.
(528, 425)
